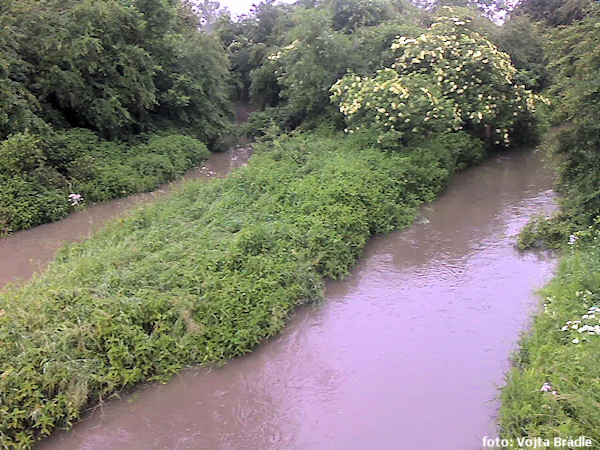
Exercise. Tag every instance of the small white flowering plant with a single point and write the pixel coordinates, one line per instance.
(587, 326)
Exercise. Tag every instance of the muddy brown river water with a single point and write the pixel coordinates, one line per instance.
(406, 353)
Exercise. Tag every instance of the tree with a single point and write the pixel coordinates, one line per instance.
(19, 108)
(447, 65)
(491, 8)
(574, 53)
(113, 66)
(553, 13)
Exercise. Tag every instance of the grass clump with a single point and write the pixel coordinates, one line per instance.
(562, 350)
(38, 172)
(204, 274)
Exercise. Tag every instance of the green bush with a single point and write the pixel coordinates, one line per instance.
(21, 154)
(38, 172)
(202, 275)
(26, 202)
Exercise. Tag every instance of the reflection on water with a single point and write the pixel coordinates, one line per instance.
(406, 353)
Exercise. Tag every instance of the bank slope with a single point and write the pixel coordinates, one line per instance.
(204, 274)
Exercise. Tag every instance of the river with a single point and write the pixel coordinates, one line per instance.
(406, 353)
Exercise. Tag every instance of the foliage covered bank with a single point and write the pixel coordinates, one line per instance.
(210, 271)
(123, 71)
(205, 274)
(555, 389)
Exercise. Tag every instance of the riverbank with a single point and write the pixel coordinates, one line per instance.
(418, 335)
(205, 274)
(44, 178)
(554, 390)
(27, 252)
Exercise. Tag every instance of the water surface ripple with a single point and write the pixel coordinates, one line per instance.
(406, 353)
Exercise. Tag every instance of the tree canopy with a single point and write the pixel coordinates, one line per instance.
(114, 66)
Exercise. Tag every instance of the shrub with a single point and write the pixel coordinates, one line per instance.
(20, 154)
(27, 201)
(40, 171)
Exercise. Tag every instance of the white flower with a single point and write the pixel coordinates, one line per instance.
(75, 199)
(575, 341)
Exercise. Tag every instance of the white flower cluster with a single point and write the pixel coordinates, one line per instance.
(589, 325)
(464, 67)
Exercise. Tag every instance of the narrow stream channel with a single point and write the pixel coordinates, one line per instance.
(406, 353)
(26, 252)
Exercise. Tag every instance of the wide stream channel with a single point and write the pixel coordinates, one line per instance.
(408, 352)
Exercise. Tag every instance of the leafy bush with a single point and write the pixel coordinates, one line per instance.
(39, 172)
(202, 275)
(26, 202)
(398, 109)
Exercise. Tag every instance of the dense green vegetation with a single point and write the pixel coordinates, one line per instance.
(287, 57)
(114, 68)
(554, 390)
(449, 77)
(126, 69)
(38, 173)
(366, 109)
(205, 274)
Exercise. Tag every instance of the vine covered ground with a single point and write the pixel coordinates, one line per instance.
(205, 274)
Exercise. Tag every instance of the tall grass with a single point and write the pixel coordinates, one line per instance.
(204, 274)
(561, 352)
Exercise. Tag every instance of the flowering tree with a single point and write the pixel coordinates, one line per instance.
(448, 68)
(396, 107)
